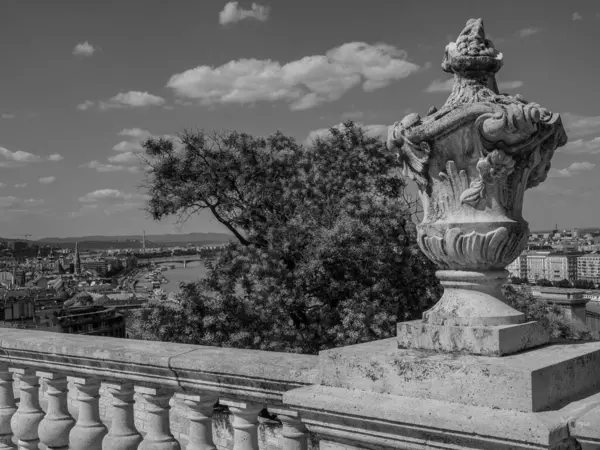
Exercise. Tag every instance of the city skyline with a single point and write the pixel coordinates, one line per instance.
(83, 82)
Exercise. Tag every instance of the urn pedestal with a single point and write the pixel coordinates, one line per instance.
(472, 161)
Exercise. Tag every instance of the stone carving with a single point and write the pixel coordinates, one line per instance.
(472, 161)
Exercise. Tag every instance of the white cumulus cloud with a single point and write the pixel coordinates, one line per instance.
(135, 133)
(573, 169)
(47, 180)
(101, 167)
(128, 146)
(84, 49)
(84, 106)
(20, 185)
(233, 12)
(110, 201)
(591, 146)
(124, 158)
(55, 157)
(7, 116)
(304, 83)
(578, 125)
(577, 16)
(528, 31)
(131, 99)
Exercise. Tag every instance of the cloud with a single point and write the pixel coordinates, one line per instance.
(577, 16)
(135, 133)
(20, 185)
(529, 31)
(100, 167)
(7, 116)
(10, 159)
(110, 201)
(370, 130)
(84, 49)
(128, 146)
(2, 184)
(55, 157)
(304, 83)
(107, 194)
(47, 180)
(582, 146)
(124, 158)
(19, 203)
(85, 105)
(577, 125)
(437, 86)
(233, 13)
(573, 169)
(131, 99)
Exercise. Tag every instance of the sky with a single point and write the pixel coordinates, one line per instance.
(82, 82)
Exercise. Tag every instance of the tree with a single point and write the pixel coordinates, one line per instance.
(544, 282)
(325, 253)
(584, 284)
(553, 318)
(563, 284)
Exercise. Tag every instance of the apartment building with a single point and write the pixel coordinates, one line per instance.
(588, 267)
(536, 266)
(561, 266)
(518, 268)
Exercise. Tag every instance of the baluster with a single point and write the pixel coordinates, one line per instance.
(200, 409)
(88, 432)
(7, 407)
(294, 433)
(159, 435)
(245, 423)
(122, 435)
(28, 416)
(54, 429)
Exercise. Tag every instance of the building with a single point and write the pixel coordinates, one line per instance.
(518, 268)
(18, 245)
(588, 267)
(98, 265)
(94, 320)
(536, 266)
(17, 309)
(561, 266)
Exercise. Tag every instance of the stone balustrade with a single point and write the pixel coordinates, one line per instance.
(78, 392)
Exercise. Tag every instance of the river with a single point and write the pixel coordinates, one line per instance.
(192, 272)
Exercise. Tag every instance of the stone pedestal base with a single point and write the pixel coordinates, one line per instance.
(478, 340)
(375, 395)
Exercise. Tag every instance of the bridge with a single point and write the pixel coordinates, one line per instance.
(181, 259)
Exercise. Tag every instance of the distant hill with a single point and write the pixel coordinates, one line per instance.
(131, 241)
(156, 238)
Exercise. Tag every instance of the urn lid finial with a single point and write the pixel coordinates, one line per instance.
(472, 53)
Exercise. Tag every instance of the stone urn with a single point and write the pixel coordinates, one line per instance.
(472, 161)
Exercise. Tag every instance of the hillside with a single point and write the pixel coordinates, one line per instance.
(131, 241)
(156, 238)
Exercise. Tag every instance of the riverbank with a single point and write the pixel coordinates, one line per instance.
(174, 277)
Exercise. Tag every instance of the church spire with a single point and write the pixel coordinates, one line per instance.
(77, 260)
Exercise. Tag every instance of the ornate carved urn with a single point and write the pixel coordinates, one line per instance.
(472, 161)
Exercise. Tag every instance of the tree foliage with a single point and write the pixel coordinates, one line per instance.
(325, 253)
(553, 318)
